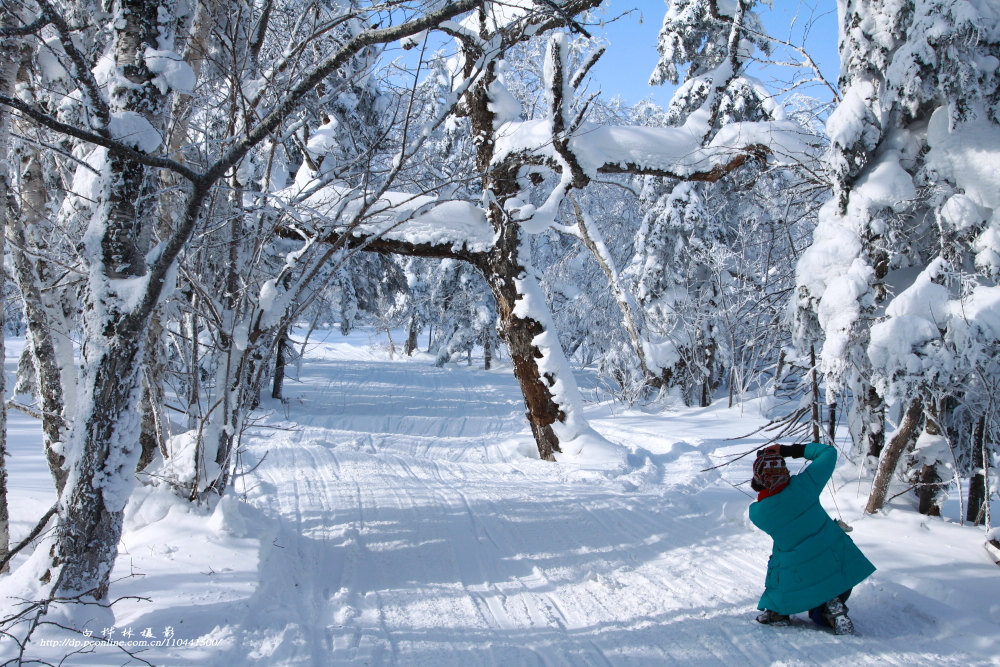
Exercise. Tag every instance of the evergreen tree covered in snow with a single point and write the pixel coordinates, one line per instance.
(689, 265)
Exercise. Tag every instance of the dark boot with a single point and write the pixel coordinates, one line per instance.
(773, 618)
(835, 614)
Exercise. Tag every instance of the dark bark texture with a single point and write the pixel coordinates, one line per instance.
(903, 436)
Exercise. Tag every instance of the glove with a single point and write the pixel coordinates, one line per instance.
(792, 451)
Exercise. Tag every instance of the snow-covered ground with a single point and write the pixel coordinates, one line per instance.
(391, 513)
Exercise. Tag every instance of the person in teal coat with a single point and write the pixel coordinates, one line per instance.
(814, 564)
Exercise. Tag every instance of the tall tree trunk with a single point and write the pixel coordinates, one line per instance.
(280, 352)
(103, 444)
(891, 455)
(104, 439)
(41, 346)
(32, 278)
(9, 48)
(217, 440)
(928, 479)
(977, 483)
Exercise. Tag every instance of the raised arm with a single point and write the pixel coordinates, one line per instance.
(823, 457)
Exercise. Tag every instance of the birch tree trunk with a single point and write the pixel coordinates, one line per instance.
(9, 48)
(103, 444)
(622, 296)
(40, 324)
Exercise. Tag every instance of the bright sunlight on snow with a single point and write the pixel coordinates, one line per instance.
(395, 513)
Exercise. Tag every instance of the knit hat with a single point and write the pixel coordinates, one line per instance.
(769, 471)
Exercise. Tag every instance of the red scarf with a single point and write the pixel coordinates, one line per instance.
(767, 493)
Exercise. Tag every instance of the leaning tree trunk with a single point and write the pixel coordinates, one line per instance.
(509, 279)
(622, 297)
(891, 455)
(524, 321)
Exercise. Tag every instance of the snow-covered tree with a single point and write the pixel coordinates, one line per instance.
(9, 48)
(122, 116)
(692, 267)
(526, 170)
(901, 276)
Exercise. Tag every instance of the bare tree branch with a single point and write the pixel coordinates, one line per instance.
(35, 532)
(29, 29)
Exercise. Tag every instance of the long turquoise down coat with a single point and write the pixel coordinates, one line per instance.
(813, 559)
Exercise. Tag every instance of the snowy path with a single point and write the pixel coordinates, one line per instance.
(395, 520)
(413, 532)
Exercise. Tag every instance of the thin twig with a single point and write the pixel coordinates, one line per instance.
(35, 532)
(734, 458)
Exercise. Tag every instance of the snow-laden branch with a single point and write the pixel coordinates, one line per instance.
(526, 18)
(203, 183)
(81, 69)
(669, 152)
(103, 140)
(421, 224)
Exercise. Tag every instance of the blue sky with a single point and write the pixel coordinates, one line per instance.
(625, 68)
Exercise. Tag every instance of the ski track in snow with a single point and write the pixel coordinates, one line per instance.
(400, 523)
(414, 541)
